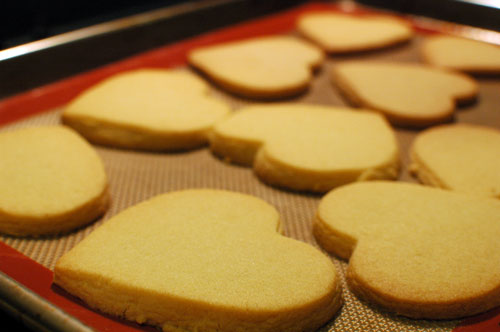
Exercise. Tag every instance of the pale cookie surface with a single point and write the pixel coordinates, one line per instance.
(202, 260)
(265, 67)
(52, 181)
(461, 54)
(460, 157)
(342, 33)
(418, 251)
(308, 147)
(151, 109)
(407, 94)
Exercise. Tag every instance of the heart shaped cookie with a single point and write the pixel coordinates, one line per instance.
(147, 109)
(343, 33)
(265, 67)
(418, 251)
(407, 94)
(202, 260)
(308, 147)
(460, 157)
(461, 54)
(52, 181)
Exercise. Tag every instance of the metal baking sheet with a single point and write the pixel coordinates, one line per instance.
(26, 263)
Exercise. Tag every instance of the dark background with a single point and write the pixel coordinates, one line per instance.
(9, 323)
(24, 21)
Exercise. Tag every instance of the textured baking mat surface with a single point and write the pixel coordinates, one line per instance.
(136, 176)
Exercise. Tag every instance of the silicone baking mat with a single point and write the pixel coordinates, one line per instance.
(136, 176)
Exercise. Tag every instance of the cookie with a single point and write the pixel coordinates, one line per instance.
(461, 54)
(202, 260)
(344, 33)
(263, 67)
(52, 181)
(407, 94)
(146, 109)
(460, 157)
(308, 147)
(417, 251)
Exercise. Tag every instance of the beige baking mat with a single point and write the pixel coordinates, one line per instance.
(136, 176)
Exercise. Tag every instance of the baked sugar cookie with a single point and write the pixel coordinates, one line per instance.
(52, 181)
(308, 147)
(147, 109)
(460, 157)
(264, 67)
(202, 260)
(461, 54)
(343, 33)
(407, 94)
(418, 251)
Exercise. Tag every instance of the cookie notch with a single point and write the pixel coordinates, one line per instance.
(417, 251)
(224, 267)
(407, 94)
(270, 67)
(146, 109)
(308, 147)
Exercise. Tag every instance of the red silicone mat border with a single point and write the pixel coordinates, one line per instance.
(38, 278)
